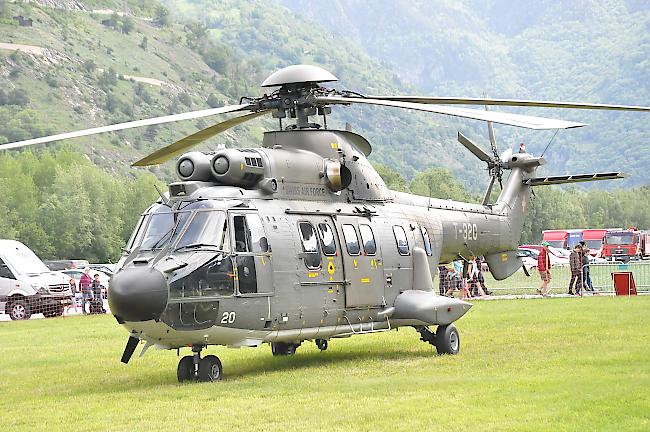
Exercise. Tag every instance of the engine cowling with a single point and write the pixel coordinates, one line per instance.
(194, 166)
(237, 167)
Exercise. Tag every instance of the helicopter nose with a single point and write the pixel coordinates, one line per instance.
(138, 294)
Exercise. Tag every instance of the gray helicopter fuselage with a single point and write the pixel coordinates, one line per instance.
(317, 248)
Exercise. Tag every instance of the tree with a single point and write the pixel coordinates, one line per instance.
(127, 24)
(213, 101)
(440, 183)
(144, 43)
(162, 16)
(392, 178)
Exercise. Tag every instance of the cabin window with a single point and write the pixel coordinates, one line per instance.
(5, 272)
(312, 256)
(327, 239)
(258, 240)
(425, 240)
(351, 240)
(368, 239)
(249, 234)
(400, 239)
(239, 226)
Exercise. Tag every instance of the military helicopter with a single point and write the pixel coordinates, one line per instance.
(300, 239)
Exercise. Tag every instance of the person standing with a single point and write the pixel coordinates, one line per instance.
(586, 277)
(76, 296)
(443, 276)
(544, 268)
(476, 288)
(481, 279)
(460, 271)
(575, 263)
(98, 302)
(85, 286)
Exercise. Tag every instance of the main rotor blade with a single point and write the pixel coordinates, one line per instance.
(476, 151)
(166, 153)
(127, 125)
(528, 122)
(510, 102)
(493, 140)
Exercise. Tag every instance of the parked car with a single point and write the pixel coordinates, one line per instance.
(27, 286)
(108, 269)
(104, 279)
(66, 264)
(528, 257)
(559, 257)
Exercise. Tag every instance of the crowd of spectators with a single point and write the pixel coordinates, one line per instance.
(465, 277)
(87, 293)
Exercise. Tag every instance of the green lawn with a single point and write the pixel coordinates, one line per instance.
(548, 364)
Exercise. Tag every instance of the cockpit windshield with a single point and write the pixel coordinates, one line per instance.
(196, 224)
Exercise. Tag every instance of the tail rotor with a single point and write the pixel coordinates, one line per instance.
(495, 163)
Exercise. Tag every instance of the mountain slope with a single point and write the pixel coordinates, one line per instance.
(577, 51)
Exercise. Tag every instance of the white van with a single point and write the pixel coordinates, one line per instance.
(27, 286)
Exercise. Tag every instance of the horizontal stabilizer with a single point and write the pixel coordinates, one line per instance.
(553, 180)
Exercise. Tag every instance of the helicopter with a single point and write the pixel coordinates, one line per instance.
(300, 239)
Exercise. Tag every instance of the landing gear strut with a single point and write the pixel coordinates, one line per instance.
(446, 338)
(194, 367)
(284, 348)
(321, 344)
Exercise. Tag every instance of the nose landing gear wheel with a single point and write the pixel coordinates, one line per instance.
(447, 339)
(185, 370)
(210, 369)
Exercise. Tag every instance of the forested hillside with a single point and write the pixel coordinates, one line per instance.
(86, 68)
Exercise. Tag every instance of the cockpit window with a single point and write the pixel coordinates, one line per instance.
(162, 225)
(204, 230)
(159, 228)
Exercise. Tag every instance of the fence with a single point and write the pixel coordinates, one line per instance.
(601, 277)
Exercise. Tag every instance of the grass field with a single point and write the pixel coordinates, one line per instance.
(548, 364)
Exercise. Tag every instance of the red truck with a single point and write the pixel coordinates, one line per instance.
(644, 244)
(556, 238)
(593, 238)
(622, 245)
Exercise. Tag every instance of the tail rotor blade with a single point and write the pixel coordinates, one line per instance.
(476, 151)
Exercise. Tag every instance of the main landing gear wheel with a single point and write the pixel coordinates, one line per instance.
(19, 310)
(210, 369)
(447, 339)
(185, 370)
(283, 348)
